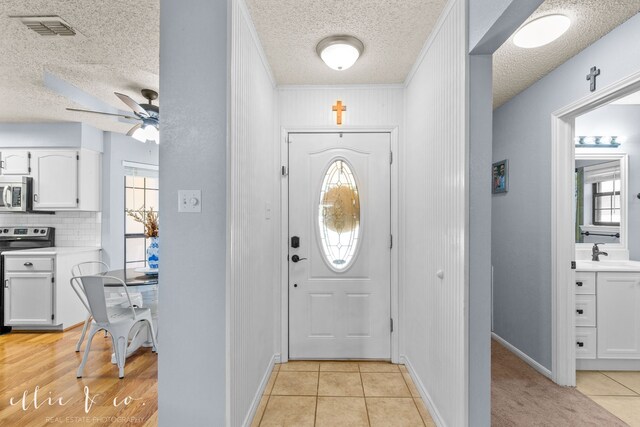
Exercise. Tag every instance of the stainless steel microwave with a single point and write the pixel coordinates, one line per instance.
(16, 194)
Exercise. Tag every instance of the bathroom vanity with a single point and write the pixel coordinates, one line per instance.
(607, 315)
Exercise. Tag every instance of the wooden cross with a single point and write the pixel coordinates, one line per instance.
(593, 73)
(339, 108)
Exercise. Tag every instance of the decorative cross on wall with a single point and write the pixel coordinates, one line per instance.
(593, 73)
(339, 108)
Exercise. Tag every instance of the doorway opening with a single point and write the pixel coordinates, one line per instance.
(572, 292)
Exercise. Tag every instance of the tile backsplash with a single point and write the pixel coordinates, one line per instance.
(72, 228)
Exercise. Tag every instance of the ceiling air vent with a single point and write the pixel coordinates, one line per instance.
(51, 25)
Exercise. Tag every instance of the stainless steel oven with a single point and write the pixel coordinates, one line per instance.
(15, 194)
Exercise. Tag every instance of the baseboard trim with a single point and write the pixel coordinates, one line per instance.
(426, 397)
(525, 358)
(263, 384)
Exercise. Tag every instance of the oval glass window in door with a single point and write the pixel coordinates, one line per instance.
(339, 215)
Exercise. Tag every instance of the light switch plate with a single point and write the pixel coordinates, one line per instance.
(189, 201)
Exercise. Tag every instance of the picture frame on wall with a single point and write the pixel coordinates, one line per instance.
(500, 177)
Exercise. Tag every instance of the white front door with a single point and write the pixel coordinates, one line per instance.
(339, 246)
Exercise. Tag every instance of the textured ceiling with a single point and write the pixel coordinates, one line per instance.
(515, 69)
(393, 33)
(118, 50)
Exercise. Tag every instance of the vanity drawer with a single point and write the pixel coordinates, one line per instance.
(586, 343)
(585, 283)
(585, 310)
(21, 264)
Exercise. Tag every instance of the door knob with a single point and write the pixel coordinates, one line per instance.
(296, 258)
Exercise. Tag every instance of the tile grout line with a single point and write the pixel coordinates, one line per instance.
(613, 379)
(413, 399)
(315, 418)
(364, 396)
(264, 411)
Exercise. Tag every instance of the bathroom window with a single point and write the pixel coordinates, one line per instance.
(606, 202)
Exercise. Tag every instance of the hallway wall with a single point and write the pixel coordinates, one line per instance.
(434, 234)
(521, 220)
(253, 231)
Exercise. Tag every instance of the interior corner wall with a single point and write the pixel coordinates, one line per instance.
(521, 218)
(254, 186)
(194, 73)
(435, 220)
(117, 148)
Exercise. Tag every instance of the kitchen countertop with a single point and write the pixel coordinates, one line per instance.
(61, 250)
(629, 266)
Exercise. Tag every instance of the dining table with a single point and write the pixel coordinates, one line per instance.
(138, 281)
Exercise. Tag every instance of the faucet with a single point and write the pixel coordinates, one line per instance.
(596, 252)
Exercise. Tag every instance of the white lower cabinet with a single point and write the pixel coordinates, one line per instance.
(607, 318)
(618, 315)
(37, 292)
(28, 299)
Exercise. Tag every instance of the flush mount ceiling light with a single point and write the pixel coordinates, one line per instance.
(541, 31)
(340, 52)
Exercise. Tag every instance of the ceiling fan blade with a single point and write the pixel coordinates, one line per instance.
(134, 129)
(132, 104)
(103, 113)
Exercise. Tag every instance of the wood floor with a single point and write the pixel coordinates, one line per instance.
(49, 361)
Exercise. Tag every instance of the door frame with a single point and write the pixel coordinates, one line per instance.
(562, 223)
(283, 248)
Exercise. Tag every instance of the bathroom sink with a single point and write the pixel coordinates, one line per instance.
(613, 265)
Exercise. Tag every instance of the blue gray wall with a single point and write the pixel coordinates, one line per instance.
(521, 218)
(193, 155)
(621, 120)
(118, 147)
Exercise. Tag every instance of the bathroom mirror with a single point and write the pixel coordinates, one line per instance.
(600, 202)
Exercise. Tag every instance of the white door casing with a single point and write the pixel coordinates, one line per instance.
(339, 304)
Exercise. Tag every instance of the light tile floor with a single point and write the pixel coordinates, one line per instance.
(334, 394)
(616, 391)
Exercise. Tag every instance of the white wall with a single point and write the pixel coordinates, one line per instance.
(521, 234)
(367, 106)
(194, 72)
(117, 148)
(253, 186)
(435, 220)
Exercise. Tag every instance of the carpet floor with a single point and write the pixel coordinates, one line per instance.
(520, 396)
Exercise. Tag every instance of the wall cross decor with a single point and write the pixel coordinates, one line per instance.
(339, 108)
(593, 73)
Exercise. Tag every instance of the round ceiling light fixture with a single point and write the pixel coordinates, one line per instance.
(340, 52)
(541, 31)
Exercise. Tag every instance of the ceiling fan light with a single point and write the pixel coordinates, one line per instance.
(139, 134)
(541, 31)
(151, 132)
(340, 52)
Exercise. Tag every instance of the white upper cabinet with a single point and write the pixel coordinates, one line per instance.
(14, 162)
(618, 315)
(55, 180)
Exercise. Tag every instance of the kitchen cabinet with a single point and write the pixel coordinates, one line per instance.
(66, 180)
(618, 312)
(37, 292)
(28, 299)
(15, 162)
(55, 179)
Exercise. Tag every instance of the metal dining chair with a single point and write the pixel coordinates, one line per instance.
(117, 321)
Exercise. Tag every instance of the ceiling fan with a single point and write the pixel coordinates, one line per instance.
(147, 114)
